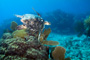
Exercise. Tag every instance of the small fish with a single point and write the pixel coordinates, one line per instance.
(47, 23)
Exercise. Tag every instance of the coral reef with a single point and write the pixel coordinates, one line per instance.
(23, 48)
(19, 33)
(23, 42)
(7, 36)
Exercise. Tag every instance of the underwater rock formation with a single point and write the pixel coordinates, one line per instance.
(7, 36)
(29, 48)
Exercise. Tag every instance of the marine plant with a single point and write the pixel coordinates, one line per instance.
(43, 38)
(45, 34)
(58, 53)
(13, 25)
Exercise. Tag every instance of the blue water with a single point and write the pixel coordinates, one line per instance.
(10, 7)
(62, 14)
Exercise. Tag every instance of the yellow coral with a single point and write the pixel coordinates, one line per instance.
(19, 33)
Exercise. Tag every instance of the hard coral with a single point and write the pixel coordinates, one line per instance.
(7, 36)
(19, 33)
(58, 53)
(14, 58)
(26, 49)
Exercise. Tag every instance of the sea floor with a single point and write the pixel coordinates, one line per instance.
(77, 48)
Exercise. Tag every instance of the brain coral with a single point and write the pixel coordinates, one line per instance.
(19, 33)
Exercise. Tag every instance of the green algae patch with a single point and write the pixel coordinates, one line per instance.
(19, 33)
